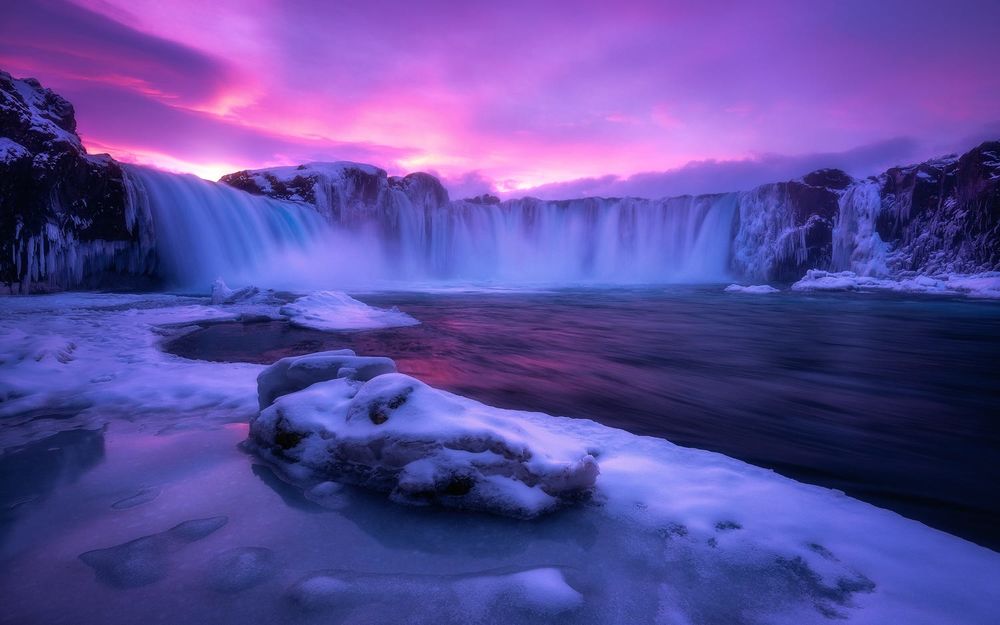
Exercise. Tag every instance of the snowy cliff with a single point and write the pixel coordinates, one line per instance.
(65, 216)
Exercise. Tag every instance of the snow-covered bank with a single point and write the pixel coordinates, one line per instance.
(671, 535)
(983, 285)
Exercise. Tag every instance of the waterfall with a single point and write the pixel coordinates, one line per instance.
(857, 245)
(580, 241)
(206, 230)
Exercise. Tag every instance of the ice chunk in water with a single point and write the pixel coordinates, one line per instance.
(145, 560)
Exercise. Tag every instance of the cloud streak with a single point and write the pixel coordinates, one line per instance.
(525, 94)
(712, 176)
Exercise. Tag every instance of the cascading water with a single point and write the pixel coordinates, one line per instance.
(205, 230)
(857, 246)
(579, 241)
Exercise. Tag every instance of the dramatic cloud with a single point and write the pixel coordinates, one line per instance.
(524, 94)
(712, 176)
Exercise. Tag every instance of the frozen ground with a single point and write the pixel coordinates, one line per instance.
(136, 505)
(983, 285)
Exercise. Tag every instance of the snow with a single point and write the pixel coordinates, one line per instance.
(983, 285)
(334, 310)
(432, 446)
(331, 170)
(34, 108)
(671, 534)
(538, 593)
(295, 373)
(11, 151)
(222, 294)
(755, 289)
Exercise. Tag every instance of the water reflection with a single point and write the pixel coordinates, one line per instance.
(30, 472)
(893, 400)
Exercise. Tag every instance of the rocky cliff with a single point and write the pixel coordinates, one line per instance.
(65, 216)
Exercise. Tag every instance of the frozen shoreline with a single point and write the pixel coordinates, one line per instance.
(97, 356)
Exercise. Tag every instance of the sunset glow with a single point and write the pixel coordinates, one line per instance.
(512, 97)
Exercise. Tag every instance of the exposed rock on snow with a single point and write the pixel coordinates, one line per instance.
(395, 434)
(756, 288)
(333, 310)
(298, 372)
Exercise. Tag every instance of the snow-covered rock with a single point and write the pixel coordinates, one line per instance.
(333, 310)
(222, 294)
(756, 289)
(346, 193)
(295, 373)
(395, 434)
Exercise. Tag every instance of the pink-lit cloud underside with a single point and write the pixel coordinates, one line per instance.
(563, 98)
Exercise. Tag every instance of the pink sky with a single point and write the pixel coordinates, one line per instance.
(555, 98)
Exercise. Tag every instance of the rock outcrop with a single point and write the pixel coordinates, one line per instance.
(943, 216)
(65, 216)
(353, 420)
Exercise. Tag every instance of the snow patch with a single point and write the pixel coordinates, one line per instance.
(757, 288)
(983, 285)
(333, 310)
(11, 151)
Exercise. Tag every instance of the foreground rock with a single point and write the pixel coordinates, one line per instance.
(395, 434)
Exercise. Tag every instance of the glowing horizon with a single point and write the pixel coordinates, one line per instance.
(561, 99)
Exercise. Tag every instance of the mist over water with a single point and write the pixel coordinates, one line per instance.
(206, 230)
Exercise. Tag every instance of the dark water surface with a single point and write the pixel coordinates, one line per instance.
(893, 400)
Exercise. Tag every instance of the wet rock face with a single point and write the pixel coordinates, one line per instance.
(64, 216)
(944, 215)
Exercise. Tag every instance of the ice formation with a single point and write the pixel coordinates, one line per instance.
(394, 434)
(759, 289)
(985, 285)
(145, 560)
(333, 310)
(669, 535)
(532, 593)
